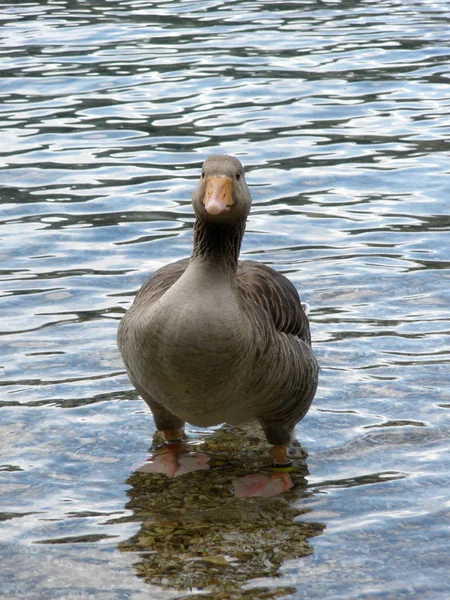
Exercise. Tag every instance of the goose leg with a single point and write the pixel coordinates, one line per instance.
(280, 437)
(173, 436)
(174, 458)
(171, 426)
(281, 461)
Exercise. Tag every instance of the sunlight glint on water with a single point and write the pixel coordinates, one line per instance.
(339, 111)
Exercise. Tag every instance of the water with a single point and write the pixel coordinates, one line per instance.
(340, 113)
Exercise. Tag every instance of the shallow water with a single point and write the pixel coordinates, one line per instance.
(340, 113)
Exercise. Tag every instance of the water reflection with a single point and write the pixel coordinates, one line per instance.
(195, 534)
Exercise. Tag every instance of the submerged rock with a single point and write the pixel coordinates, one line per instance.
(197, 535)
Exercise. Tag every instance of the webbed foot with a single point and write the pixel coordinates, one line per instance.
(174, 459)
(262, 485)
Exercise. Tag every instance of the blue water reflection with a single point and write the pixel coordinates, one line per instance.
(339, 111)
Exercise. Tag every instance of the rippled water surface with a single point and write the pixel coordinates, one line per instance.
(340, 111)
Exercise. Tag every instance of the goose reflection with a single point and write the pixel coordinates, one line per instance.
(198, 535)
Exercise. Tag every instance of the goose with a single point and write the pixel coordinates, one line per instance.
(211, 339)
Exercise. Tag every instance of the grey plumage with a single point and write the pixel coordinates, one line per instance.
(211, 339)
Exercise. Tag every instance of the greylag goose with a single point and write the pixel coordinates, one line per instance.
(210, 339)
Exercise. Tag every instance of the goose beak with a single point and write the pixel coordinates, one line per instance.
(218, 197)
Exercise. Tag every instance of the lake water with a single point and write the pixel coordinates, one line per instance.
(340, 112)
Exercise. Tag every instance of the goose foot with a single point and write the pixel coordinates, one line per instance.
(174, 459)
(262, 485)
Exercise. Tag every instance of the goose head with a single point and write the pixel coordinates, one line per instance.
(222, 195)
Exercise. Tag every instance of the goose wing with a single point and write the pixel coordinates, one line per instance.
(272, 291)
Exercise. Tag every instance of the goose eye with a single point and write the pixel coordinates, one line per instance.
(238, 175)
(203, 175)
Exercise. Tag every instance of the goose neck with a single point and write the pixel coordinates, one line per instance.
(218, 244)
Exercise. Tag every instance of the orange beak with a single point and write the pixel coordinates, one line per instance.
(218, 197)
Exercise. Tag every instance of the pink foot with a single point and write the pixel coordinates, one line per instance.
(172, 463)
(262, 485)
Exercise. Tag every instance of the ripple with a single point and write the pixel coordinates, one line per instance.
(339, 112)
